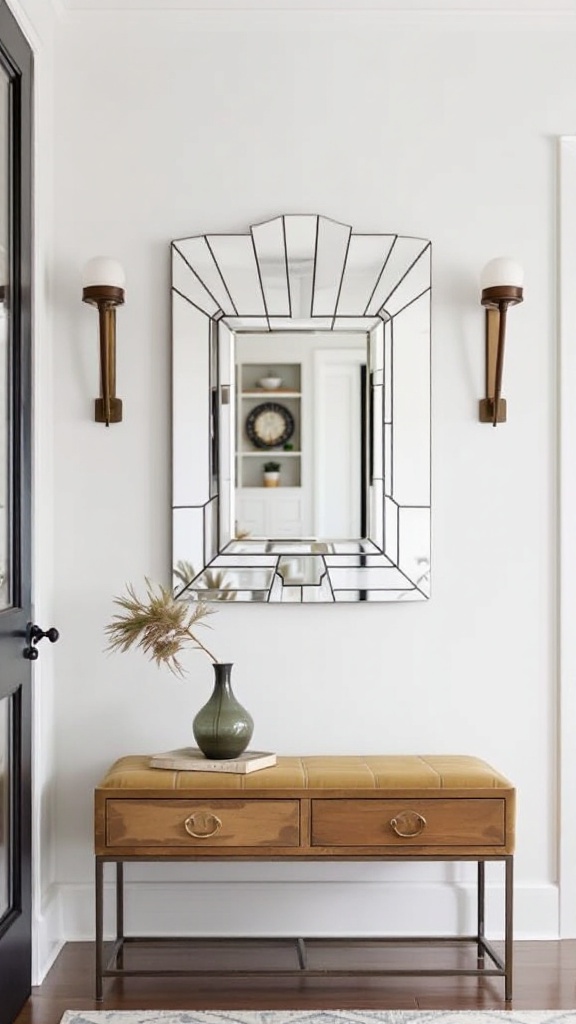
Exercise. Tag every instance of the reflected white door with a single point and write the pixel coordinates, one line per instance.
(337, 473)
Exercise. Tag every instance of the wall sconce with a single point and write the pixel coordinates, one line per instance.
(103, 282)
(501, 281)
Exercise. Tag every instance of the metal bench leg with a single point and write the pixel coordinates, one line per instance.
(508, 935)
(481, 915)
(120, 912)
(99, 926)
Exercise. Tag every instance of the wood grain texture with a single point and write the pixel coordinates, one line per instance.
(445, 823)
(544, 978)
(303, 822)
(169, 823)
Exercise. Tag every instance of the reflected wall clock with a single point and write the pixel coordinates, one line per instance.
(269, 425)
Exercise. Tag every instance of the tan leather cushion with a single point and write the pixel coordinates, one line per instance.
(411, 773)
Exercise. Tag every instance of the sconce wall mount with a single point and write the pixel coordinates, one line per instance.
(502, 281)
(103, 287)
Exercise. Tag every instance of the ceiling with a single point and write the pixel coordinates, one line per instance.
(439, 6)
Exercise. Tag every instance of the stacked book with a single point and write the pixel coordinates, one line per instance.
(190, 759)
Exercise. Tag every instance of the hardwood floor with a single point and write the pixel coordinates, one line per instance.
(544, 978)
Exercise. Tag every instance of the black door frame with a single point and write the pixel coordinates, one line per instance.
(16, 59)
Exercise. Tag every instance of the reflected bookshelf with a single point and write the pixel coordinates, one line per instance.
(282, 404)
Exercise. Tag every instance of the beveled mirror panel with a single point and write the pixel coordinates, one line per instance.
(301, 414)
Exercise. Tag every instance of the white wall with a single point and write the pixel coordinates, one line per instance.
(170, 125)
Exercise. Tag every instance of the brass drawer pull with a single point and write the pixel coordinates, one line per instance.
(207, 823)
(408, 824)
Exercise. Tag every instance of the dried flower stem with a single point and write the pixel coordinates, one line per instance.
(161, 625)
(203, 647)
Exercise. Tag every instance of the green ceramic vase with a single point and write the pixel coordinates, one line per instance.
(222, 728)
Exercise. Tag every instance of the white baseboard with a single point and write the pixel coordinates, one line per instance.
(47, 936)
(291, 908)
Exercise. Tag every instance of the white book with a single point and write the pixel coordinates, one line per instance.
(190, 759)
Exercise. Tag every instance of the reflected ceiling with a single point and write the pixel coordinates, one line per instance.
(422, 7)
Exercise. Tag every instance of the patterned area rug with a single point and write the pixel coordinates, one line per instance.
(319, 1017)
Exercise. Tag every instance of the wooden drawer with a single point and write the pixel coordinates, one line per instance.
(456, 822)
(197, 823)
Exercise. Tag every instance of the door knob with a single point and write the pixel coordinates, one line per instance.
(33, 637)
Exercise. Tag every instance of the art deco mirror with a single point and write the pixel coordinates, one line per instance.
(301, 414)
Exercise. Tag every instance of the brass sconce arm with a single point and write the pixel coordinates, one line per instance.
(104, 288)
(501, 287)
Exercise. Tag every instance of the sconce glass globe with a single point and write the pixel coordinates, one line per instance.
(501, 272)
(101, 270)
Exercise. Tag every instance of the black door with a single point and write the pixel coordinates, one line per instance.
(15, 514)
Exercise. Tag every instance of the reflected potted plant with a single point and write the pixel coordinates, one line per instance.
(271, 474)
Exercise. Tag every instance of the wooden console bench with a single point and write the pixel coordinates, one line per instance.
(435, 808)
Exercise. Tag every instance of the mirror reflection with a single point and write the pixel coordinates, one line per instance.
(301, 413)
(301, 435)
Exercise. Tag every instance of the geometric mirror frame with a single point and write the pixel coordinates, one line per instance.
(301, 414)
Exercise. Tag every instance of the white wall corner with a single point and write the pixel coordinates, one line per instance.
(567, 535)
(36, 18)
(47, 934)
